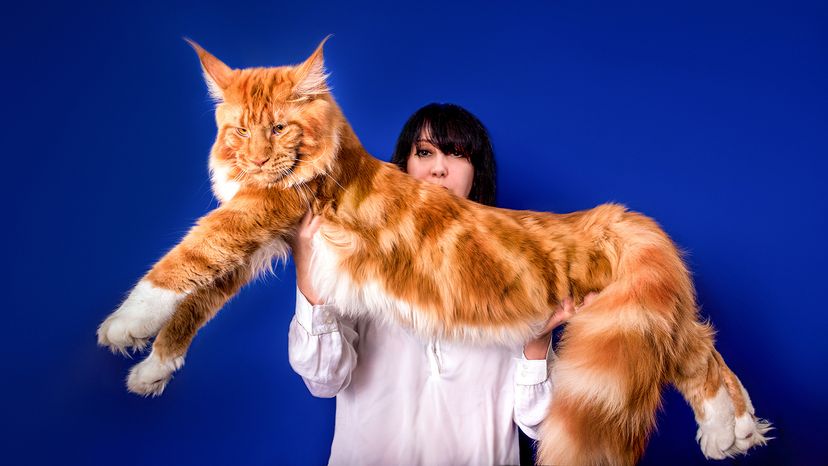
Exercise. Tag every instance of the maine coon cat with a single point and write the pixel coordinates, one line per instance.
(392, 247)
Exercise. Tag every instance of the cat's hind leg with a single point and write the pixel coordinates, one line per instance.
(150, 376)
(728, 425)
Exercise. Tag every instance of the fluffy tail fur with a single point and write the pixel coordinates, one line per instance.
(640, 333)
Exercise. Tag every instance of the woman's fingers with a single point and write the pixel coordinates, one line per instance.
(589, 298)
(300, 230)
(302, 251)
(306, 220)
(313, 224)
(565, 310)
(309, 225)
(559, 315)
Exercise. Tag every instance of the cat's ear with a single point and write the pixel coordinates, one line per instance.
(216, 73)
(310, 76)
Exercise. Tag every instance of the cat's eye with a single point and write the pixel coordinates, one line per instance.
(243, 132)
(277, 129)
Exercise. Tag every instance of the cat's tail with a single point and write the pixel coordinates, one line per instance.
(616, 355)
(612, 364)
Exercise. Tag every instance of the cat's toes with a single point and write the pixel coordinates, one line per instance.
(716, 434)
(750, 432)
(723, 435)
(716, 441)
(116, 333)
(150, 376)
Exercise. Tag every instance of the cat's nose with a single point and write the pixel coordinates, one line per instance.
(261, 162)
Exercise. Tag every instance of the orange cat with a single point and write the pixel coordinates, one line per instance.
(392, 247)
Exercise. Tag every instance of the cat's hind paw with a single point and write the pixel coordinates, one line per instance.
(750, 432)
(150, 376)
(723, 435)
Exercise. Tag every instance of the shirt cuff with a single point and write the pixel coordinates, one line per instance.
(318, 319)
(531, 371)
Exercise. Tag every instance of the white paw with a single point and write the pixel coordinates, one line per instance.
(722, 435)
(150, 376)
(750, 432)
(715, 443)
(140, 317)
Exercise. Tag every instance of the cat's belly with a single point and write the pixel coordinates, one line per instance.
(368, 297)
(335, 285)
(262, 259)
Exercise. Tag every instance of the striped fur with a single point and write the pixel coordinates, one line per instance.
(392, 247)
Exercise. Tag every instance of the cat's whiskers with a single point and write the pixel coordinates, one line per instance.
(239, 178)
(302, 194)
(293, 182)
(309, 194)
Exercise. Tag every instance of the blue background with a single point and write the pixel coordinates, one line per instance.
(709, 116)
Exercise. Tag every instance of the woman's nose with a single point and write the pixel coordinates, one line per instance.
(439, 166)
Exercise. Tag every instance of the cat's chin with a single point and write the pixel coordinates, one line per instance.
(263, 178)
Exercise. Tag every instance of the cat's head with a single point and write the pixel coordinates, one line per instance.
(277, 127)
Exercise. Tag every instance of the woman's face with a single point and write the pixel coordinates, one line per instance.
(451, 171)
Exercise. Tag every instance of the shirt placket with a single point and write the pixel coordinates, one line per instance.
(434, 357)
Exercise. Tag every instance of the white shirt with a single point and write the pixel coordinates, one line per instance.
(402, 400)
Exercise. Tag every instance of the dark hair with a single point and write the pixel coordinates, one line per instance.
(453, 129)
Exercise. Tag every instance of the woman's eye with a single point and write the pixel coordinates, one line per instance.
(423, 153)
(243, 132)
(278, 128)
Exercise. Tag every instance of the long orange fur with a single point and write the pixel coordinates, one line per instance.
(443, 265)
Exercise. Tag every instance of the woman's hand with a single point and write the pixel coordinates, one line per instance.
(302, 250)
(537, 348)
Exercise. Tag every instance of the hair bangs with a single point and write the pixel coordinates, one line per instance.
(452, 134)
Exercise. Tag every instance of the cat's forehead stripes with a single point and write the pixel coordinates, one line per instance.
(260, 93)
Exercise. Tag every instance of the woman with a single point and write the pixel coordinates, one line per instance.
(402, 400)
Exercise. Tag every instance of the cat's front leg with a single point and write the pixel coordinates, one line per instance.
(150, 376)
(139, 318)
(226, 239)
(221, 241)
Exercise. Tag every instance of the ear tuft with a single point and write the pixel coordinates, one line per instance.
(311, 76)
(217, 75)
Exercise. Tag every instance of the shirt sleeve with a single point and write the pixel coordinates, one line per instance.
(321, 347)
(533, 392)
